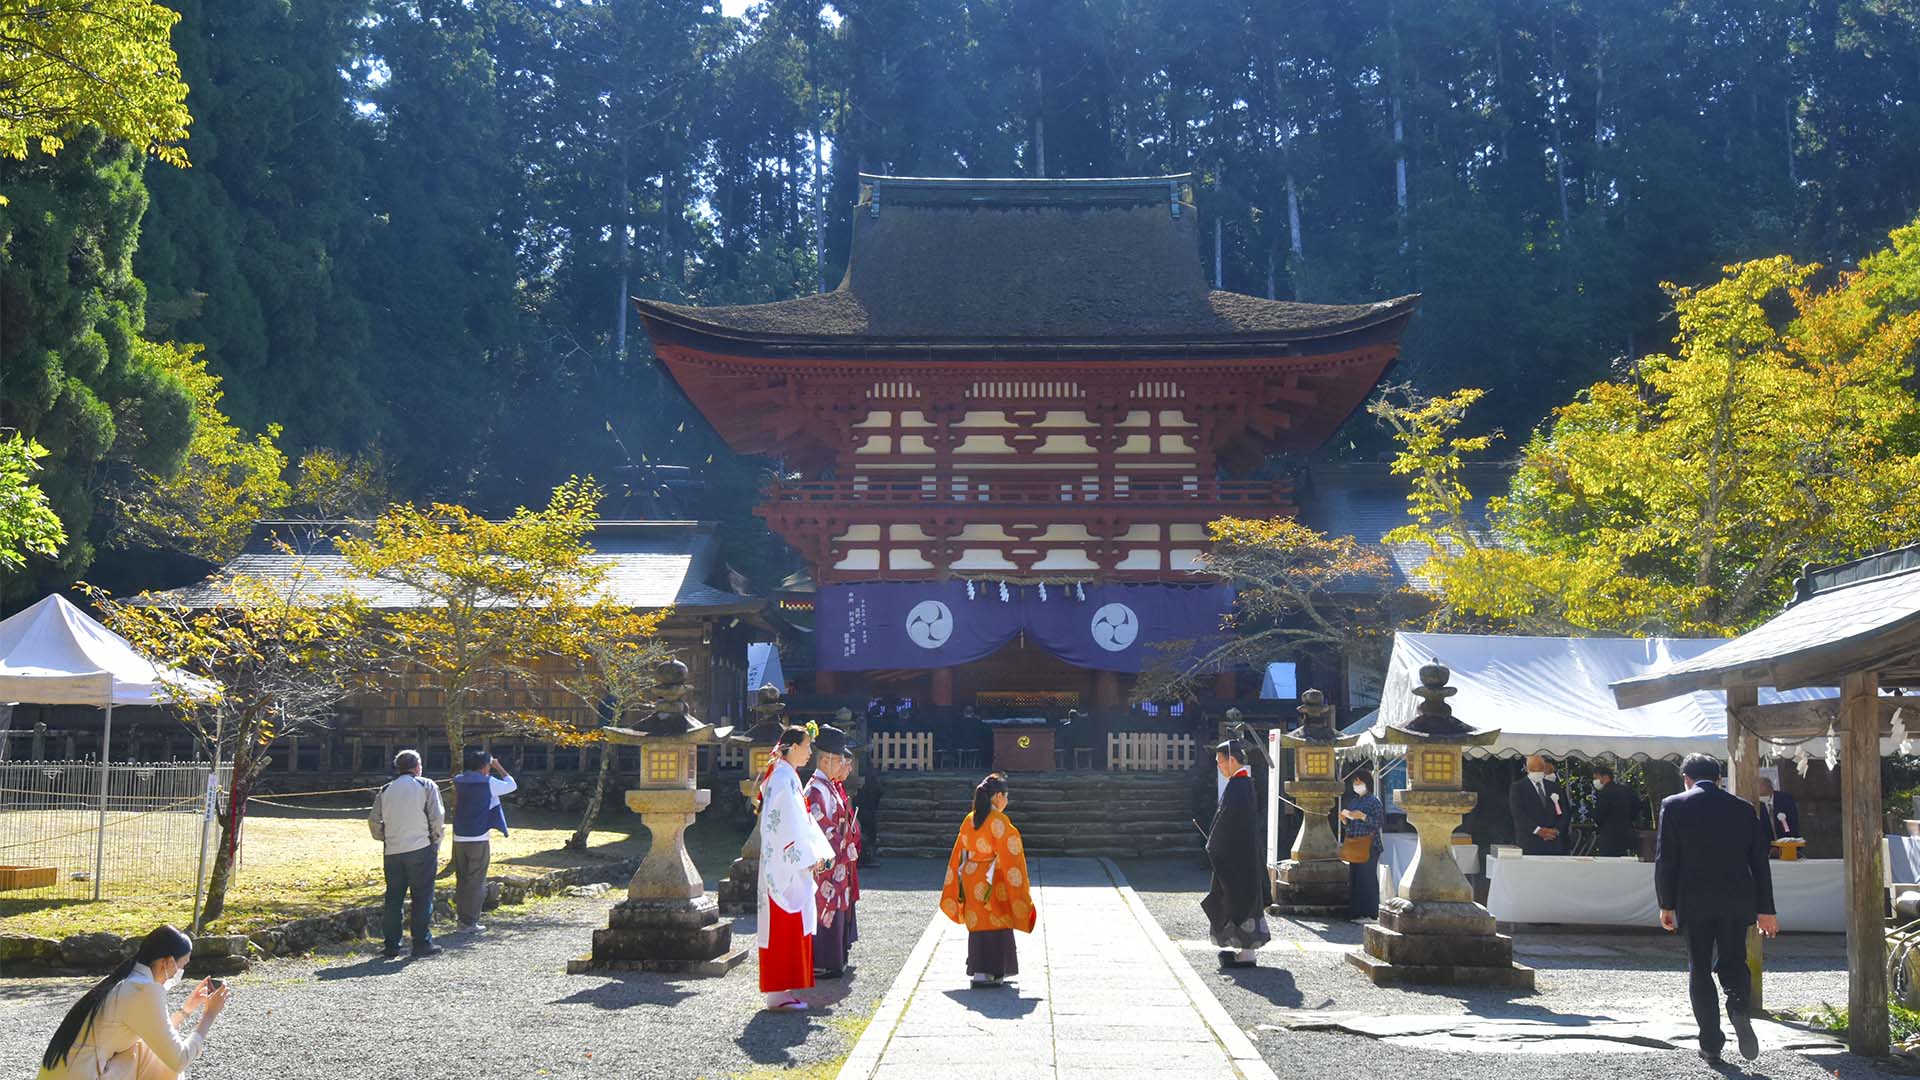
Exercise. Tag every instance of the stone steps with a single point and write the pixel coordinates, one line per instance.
(1118, 815)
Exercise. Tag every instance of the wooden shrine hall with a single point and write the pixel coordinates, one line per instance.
(1001, 439)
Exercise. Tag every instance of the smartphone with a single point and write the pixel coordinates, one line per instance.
(216, 984)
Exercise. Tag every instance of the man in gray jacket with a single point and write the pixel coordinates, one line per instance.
(409, 819)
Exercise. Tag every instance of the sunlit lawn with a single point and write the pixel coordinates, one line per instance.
(299, 864)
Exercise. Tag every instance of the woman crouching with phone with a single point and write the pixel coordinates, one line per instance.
(120, 1029)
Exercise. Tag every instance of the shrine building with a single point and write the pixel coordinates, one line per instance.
(1000, 440)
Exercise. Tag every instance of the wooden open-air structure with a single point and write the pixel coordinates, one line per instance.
(1855, 626)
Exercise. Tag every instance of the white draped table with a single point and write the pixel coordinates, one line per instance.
(1808, 894)
(1396, 854)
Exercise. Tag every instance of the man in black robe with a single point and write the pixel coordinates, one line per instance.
(1236, 904)
(1614, 807)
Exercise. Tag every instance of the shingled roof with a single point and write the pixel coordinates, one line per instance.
(940, 261)
(650, 565)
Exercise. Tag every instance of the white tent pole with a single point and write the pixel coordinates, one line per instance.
(100, 835)
(206, 818)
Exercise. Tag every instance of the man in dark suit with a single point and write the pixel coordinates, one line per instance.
(1711, 878)
(1781, 813)
(1541, 814)
(1614, 806)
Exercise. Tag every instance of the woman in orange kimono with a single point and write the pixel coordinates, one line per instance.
(987, 889)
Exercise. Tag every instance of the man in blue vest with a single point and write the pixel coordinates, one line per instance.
(476, 812)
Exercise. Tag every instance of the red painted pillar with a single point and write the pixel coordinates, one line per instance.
(942, 688)
(1106, 689)
(823, 684)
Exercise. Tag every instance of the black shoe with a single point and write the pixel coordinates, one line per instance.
(390, 951)
(1744, 1035)
(831, 973)
(429, 949)
(1711, 1057)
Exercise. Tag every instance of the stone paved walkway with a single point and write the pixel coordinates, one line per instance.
(1102, 992)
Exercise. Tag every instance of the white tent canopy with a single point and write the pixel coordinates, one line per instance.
(55, 654)
(1553, 695)
(763, 667)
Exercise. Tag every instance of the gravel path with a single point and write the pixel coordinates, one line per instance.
(1580, 974)
(502, 1005)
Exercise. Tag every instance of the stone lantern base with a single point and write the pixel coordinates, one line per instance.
(680, 936)
(1438, 943)
(740, 889)
(1311, 887)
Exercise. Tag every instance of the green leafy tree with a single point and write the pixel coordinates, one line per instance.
(28, 526)
(1781, 430)
(497, 598)
(76, 377)
(229, 480)
(283, 654)
(105, 63)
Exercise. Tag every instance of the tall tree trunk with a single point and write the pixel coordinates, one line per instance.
(1219, 215)
(1039, 122)
(819, 208)
(622, 237)
(1399, 132)
(591, 812)
(229, 818)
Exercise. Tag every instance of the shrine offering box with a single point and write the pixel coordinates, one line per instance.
(1023, 749)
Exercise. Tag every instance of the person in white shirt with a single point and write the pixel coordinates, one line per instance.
(408, 818)
(120, 1030)
(476, 812)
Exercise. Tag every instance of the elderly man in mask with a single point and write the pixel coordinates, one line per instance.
(1542, 815)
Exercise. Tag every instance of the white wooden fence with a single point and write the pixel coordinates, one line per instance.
(1148, 751)
(901, 750)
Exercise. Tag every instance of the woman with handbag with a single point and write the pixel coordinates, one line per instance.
(1361, 824)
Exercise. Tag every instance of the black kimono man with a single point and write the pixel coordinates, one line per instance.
(1614, 807)
(1236, 904)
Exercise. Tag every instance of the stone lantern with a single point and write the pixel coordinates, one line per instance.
(740, 889)
(667, 922)
(1434, 933)
(1313, 880)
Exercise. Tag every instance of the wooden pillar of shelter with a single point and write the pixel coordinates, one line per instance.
(1743, 760)
(942, 688)
(1860, 832)
(1106, 689)
(824, 684)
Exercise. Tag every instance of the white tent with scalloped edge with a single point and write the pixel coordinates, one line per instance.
(1553, 696)
(55, 654)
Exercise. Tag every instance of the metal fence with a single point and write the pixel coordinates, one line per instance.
(142, 839)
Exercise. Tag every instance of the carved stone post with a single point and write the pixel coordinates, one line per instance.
(1314, 880)
(1433, 933)
(667, 922)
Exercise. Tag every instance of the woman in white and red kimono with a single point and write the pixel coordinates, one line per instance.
(836, 888)
(792, 848)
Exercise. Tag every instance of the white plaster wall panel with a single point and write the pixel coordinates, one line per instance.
(982, 559)
(859, 533)
(1066, 559)
(859, 559)
(1139, 560)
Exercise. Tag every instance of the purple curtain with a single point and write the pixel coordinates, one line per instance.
(936, 624)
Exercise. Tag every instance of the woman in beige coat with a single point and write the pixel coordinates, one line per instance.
(120, 1029)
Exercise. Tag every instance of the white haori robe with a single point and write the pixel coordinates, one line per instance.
(790, 845)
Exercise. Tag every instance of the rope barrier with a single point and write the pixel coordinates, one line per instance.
(95, 827)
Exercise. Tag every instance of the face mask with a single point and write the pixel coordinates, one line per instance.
(173, 980)
(1359, 789)
(1551, 777)
(1599, 785)
(1536, 777)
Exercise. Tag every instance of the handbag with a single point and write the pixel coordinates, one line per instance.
(1357, 850)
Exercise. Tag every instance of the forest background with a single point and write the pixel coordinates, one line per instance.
(409, 226)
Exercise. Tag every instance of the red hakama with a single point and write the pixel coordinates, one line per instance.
(787, 961)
